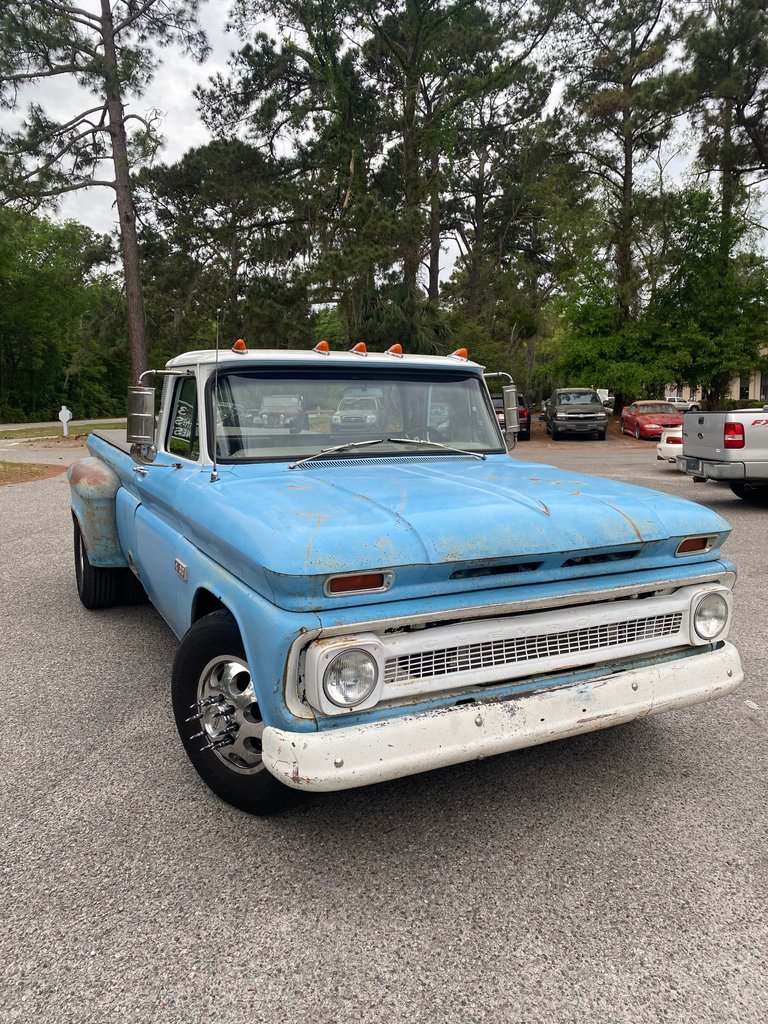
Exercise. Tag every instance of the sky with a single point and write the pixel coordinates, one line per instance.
(170, 92)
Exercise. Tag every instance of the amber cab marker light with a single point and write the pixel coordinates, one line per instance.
(694, 545)
(239, 346)
(460, 353)
(322, 347)
(395, 350)
(363, 581)
(360, 349)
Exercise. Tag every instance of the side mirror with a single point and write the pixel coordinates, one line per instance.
(141, 416)
(140, 432)
(511, 413)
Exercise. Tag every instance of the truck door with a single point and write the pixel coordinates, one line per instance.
(157, 528)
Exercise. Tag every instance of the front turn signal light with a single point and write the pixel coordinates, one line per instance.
(358, 583)
(695, 545)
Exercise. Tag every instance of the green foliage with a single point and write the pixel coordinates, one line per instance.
(710, 313)
(704, 324)
(327, 325)
(62, 333)
(356, 149)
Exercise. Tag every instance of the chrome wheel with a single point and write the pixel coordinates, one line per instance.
(228, 714)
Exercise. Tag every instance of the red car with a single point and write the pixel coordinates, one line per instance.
(649, 419)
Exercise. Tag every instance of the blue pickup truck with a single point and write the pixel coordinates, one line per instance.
(359, 605)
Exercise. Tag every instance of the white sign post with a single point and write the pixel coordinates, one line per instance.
(65, 416)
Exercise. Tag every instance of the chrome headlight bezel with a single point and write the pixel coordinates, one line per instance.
(366, 674)
(320, 658)
(701, 609)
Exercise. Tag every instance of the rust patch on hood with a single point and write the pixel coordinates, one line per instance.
(622, 513)
(317, 519)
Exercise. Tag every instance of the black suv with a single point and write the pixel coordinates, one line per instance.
(575, 411)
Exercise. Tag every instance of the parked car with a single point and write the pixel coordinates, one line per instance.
(670, 445)
(358, 412)
(682, 404)
(282, 411)
(523, 412)
(575, 411)
(647, 420)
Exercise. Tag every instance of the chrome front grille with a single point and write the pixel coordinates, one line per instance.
(487, 654)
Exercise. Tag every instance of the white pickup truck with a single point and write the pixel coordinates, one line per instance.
(730, 447)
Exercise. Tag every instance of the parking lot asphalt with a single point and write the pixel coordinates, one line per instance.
(615, 877)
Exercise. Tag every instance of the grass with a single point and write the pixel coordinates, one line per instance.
(81, 428)
(23, 473)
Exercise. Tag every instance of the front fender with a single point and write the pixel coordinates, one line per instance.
(93, 486)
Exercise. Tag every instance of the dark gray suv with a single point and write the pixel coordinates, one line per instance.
(575, 411)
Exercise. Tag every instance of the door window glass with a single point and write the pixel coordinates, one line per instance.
(183, 430)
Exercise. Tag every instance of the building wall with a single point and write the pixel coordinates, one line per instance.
(751, 388)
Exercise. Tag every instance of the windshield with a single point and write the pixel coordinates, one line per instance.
(357, 403)
(578, 398)
(320, 409)
(655, 408)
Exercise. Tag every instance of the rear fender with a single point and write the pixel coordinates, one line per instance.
(93, 486)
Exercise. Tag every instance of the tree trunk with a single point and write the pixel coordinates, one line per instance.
(728, 186)
(410, 190)
(434, 229)
(476, 256)
(624, 270)
(129, 244)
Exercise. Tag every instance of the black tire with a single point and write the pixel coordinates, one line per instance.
(97, 588)
(209, 662)
(637, 434)
(103, 588)
(131, 590)
(755, 494)
(524, 437)
(601, 435)
(694, 408)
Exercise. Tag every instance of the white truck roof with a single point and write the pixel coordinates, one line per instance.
(262, 356)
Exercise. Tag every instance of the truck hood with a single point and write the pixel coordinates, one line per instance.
(416, 513)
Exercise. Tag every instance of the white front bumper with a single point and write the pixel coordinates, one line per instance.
(359, 755)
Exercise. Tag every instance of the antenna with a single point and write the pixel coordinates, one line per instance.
(214, 470)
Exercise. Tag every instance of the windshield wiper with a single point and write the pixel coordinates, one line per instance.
(337, 448)
(380, 440)
(436, 444)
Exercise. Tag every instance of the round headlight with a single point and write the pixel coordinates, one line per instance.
(711, 616)
(350, 678)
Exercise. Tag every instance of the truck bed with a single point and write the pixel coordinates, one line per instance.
(707, 453)
(114, 437)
